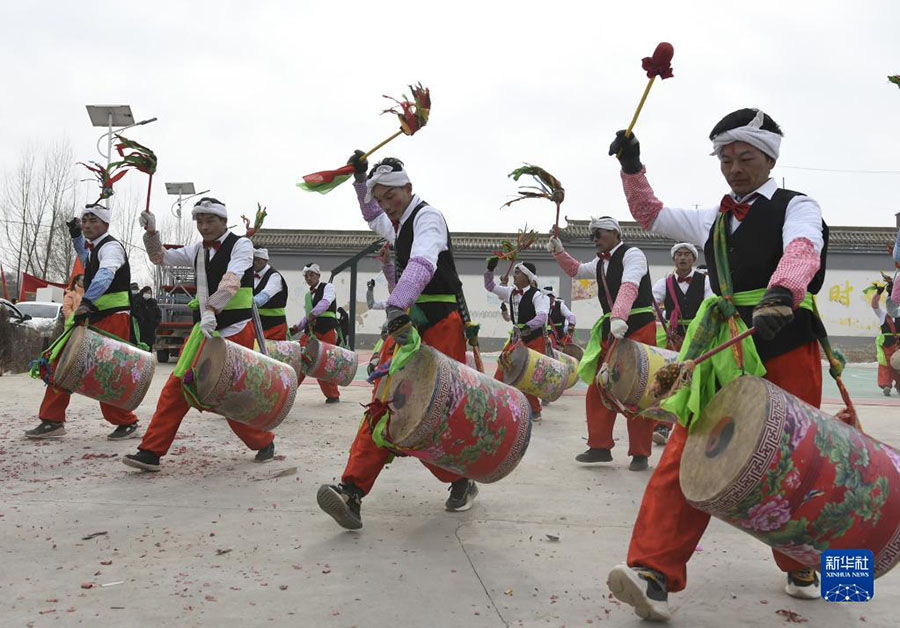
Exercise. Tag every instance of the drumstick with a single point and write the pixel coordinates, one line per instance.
(724, 345)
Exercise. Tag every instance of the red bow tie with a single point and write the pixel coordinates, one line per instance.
(215, 244)
(518, 291)
(605, 256)
(257, 275)
(738, 210)
(313, 289)
(89, 246)
(685, 279)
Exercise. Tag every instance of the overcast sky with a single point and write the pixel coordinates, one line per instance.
(250, 96)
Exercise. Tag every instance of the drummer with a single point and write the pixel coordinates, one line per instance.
(681, 292)
(528, 310)
(562, 320)
(106, 305)
(624, 293)
(270, 295)
(887, 342)
(427, 286)
(228, 262)
(775, 239)
(320, 320)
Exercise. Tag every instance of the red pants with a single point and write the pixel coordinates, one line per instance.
(172, 406)
(366, 458)
(539, 345)
(668, 529)
(600, 419)
(887, 376)
(329, 389)
(56, 400)
(279, 332)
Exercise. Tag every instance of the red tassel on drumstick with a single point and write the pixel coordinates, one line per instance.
(660, 64)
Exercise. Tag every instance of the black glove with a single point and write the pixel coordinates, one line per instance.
(74, 226)
(370, 284)
(774, 312)
(628, 152)
(879, 289)
(399, 325)
(360, 164)
(492, 263)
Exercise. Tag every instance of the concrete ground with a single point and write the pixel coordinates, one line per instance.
(217, 540)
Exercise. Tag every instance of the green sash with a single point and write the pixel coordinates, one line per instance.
(111, 300)
(879, 347)
(587, 368)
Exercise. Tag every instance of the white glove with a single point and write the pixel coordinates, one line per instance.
(147, 221)
(554, 245)
(618, 327)
(208, 323)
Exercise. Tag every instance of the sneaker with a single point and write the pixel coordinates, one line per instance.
(462, 493)
(47, 429)
(123, 431)
(266, 454)
(143, 459)
(638, 463)
(644, 589)
(332, 399)
(544, 402)
(595, 455)
(802, 584)
(536, 417)
(887, 391)
(660, 434)
(342, 502)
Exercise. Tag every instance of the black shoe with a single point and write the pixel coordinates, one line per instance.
(266, 454)
(644, 589)
(462, 493)
(536, 417)
(143, 459)
(661, 434)
(332, 399)
(803, 584)
(123, 431)
(47, 429)
(342, 502)
(638, 463)
(887, 391)
(595, 455)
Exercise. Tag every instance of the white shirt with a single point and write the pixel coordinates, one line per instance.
(273, 286)
(429, 230)
(802, 219)
(111, 256)
(659, 287)
(540, 300)
(241, 260)
(634, 266)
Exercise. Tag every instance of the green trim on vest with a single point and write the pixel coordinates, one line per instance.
(275, 311)
(436, 298)
(113, 299)
(242, 300)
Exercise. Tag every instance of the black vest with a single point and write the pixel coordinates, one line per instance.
(890, 340)
(121, 280)
(754, 251)
(277, 301)
(215, 270)
(688, 302)
(557, 320)
(524, 313)
(445, 279)
(644, 298)
(324, 324)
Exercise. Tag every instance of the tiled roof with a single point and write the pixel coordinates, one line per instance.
(872, 240)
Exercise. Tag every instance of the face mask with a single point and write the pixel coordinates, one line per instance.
(145, 295)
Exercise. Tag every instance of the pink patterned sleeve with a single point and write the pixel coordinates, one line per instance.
(370, 210)
(489, 281)
(895, 293)
(642, 202)
(798, 265)
(390, 274)
(568, 263)
(415, 277)
(628, 292)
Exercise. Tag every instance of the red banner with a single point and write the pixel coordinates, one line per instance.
(3, 279)
(30, 284)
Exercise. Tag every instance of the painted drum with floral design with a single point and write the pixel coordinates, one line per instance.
(572, 363)
(534, 373)
(288, 351)
(243, 385)
(628, 373)
(330, 363)
(793, 476)
(456, 418)
(104, 368)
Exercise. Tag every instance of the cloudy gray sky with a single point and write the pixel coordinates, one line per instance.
(251, 96)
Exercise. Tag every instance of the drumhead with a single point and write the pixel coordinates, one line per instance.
(411, 390)
(518, 363)
(68, 357)
(573, 350)
(312, 349)
(209, 367)
(725, 439)
(895, 360)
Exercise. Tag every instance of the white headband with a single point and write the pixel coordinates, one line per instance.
(684, 245)
(526, 271)
(753, 134)
(312, 268)
(548, 291)
(99, 211)
(208, 207)
(387, 176)
(261, 253)
(605, 222)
